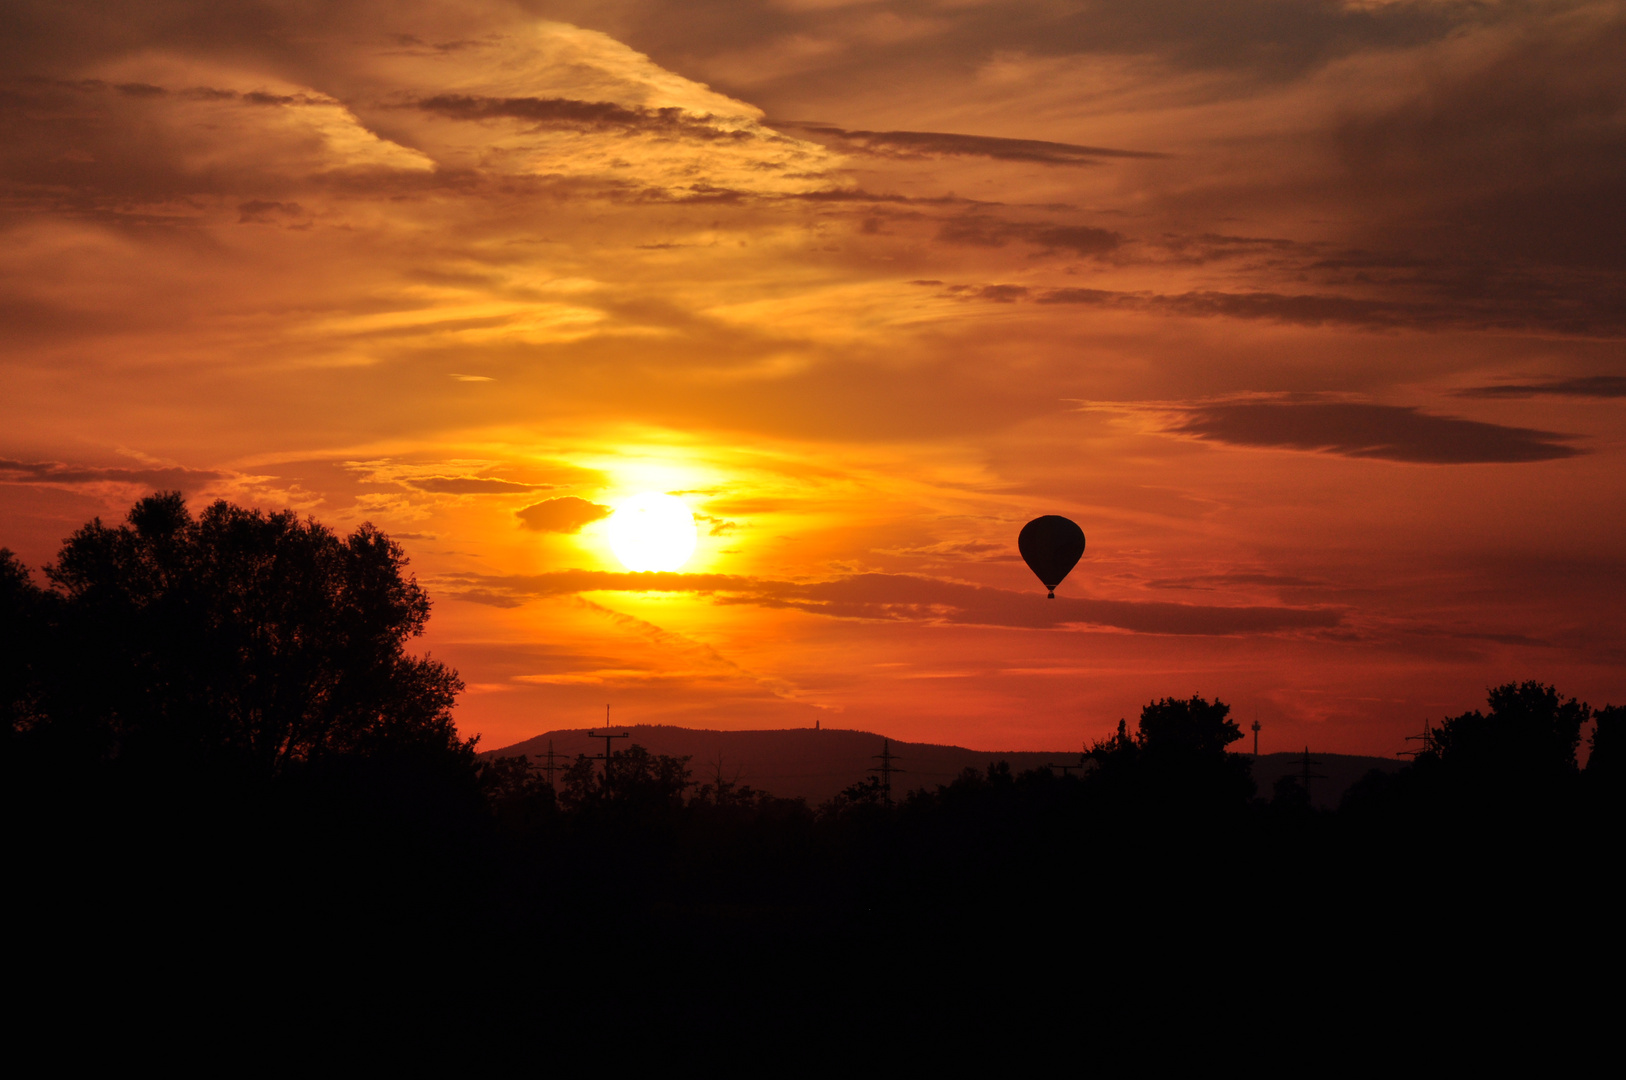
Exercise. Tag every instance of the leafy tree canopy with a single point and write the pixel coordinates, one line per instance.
(1530, 730)
(238, 632)
(1187, 728)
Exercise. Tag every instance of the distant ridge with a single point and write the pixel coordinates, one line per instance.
(815, 764)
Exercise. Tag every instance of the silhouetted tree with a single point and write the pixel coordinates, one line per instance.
(1288, 796)
(1603, 766)
(1529, 735)
(724, 793)
(866, 793)
(23, 620)
(240, 633)
(1605, 743)
(518, 794)
(633, 784)
(1176, 762)
(1187, 729)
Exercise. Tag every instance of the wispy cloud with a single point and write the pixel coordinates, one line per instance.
(905, 598)
(586, 116)
(471, 485)
(1358, 430)
(945, 144)
(56, 472)
(1585, 386)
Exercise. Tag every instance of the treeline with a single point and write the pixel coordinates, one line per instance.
(216, 745)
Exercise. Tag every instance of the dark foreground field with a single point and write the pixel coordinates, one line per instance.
(235, 806)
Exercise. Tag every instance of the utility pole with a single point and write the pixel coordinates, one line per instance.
(886, 757)
(605, 757)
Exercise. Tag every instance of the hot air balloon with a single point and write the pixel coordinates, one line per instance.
(1051, 546)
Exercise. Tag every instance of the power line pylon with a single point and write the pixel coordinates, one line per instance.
(1426, 739)
(886, 757)
(550, 768)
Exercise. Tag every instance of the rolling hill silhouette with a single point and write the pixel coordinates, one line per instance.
(816, 764)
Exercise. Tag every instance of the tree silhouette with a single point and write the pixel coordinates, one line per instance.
(518, 794)
(1176, 762)
(1530, 734)
(1607, 742)
(23, 611)
(633, 785)
(253, 636)
(1187, 729)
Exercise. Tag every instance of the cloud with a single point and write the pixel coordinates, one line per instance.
(1300, 309)
(1352, 429)
(566, 514)
(1509, 307)
(471, 485)
(944, 144)
(56, 472)
(1591, 386)
(982, 231)
(906, 598)
(583, 115)
(1511, 149)
(264, 211)
(1239, 577)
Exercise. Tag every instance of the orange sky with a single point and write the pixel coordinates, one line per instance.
(1310, 313)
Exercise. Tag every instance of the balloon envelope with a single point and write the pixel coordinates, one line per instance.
(1051, 546)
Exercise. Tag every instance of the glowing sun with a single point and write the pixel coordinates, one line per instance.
(652, 532)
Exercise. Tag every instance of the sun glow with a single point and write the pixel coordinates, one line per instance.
(652, 532)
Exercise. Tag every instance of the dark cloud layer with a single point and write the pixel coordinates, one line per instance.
(1388, 432)
(945, 144)
(1274, 38)
(905, 597)
(56, 472)
(581, 115)
(1590, 386)
(472, 485)
(566, 514)
(1508, 308)
(980, 231)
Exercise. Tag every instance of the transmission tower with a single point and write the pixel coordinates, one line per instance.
(550, 767)
(1429, 745)
(1255, 736)
(886, 757)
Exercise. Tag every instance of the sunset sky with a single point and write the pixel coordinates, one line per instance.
(1311, 314)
